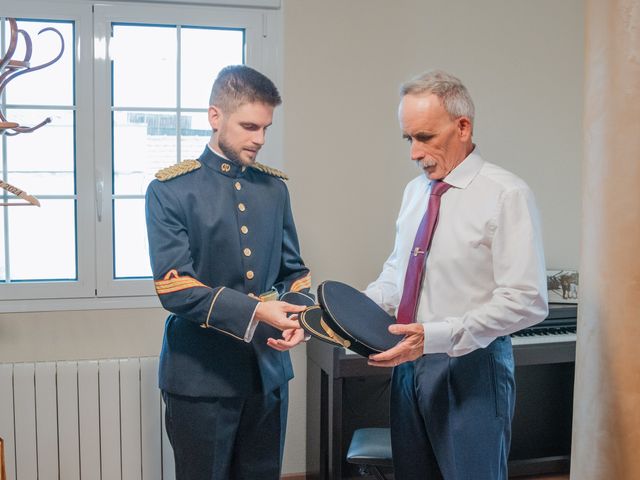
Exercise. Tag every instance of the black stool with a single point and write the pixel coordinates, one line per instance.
(370, 448)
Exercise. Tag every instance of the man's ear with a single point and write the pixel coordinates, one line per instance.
(215, 117)
(465, 128)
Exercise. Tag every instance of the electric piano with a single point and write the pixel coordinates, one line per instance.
(549, 342)
(344, 394)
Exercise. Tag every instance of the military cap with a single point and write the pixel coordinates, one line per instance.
(298, 298)
(347, 317)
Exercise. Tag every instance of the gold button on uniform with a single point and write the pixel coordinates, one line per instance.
(250, 274)
(225, 167)
(238, 186)
(244, 229)
(247, 252)
(241, 207)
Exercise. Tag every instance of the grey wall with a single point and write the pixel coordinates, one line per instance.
(522, 62)
(344, 60)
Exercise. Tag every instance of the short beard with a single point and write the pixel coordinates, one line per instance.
(231, 154)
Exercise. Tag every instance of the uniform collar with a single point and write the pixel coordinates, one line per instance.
(219, 164)
(466, 171)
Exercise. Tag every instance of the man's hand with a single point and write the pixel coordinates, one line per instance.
(290, 338)
(407, 350)
(275, 314)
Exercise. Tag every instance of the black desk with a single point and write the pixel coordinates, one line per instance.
(344, 394)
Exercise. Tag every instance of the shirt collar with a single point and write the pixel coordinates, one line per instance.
(466, 171)
(221, 164)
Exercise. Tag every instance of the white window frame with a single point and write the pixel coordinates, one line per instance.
(83, 287)
(96, 288)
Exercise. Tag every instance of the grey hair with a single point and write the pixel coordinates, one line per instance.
(449, 89)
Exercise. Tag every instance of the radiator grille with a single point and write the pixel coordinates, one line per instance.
(84, 420)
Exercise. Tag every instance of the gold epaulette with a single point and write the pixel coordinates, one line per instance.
(270, 171)
(178, 169)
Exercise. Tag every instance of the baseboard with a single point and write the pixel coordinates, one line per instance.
(294, 476)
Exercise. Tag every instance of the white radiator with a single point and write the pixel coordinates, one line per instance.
(84, 420)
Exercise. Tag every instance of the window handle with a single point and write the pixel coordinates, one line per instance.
(99, 193)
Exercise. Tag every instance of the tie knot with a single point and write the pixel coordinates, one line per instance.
(438, 187)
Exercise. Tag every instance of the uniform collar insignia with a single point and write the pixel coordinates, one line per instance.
(220, 164)
(232, 169)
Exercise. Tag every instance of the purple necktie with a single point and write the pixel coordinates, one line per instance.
(413, 278)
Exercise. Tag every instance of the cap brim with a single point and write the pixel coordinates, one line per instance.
(311, 321)
(298, 298)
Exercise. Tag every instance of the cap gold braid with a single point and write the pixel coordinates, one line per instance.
(270, 171)
(178, 169)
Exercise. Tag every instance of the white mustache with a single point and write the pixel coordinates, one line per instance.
(426, 163)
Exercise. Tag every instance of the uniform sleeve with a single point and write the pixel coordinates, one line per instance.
(294, 276)
(177, 286)
(519, 298)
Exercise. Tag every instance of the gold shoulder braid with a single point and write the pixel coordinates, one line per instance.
(178, 169)
(270, 171)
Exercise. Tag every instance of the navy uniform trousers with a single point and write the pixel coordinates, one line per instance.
(451, 416)
(207, 426)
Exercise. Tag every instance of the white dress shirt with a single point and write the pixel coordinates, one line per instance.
(485, 274)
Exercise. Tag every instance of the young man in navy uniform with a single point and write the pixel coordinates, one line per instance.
(222, 243)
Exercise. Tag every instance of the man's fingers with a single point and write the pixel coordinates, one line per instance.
(291, 339)
(276, 344)
(394, 362)
(288, 334)
(390, 354)
(289, 323)
(291, 308)
(405, 329)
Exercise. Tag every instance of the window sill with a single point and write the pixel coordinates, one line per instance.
(69, 304)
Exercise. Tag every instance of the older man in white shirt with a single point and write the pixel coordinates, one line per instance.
(482, 278)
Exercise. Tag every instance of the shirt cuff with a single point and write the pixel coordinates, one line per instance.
(437, 337)
(253, 324)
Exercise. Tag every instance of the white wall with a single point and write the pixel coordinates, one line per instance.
(344, 61)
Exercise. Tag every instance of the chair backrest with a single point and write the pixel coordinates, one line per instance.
(3, 472)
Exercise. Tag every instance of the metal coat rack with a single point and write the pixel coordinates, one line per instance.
(10, 69)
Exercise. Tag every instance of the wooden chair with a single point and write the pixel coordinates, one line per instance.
(3, 473)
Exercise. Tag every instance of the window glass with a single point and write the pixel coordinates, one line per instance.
(42, 241)
(130, 242)
(144, 66)
(42, 162)
(194, 134)
(52, 85)
(39, 244)
(151, 128)
(143, 143)
(205, 51)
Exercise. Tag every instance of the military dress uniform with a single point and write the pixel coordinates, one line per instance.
(220, 236)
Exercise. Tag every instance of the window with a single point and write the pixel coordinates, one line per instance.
(50, 177)
(157, 117)
(129, 96)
